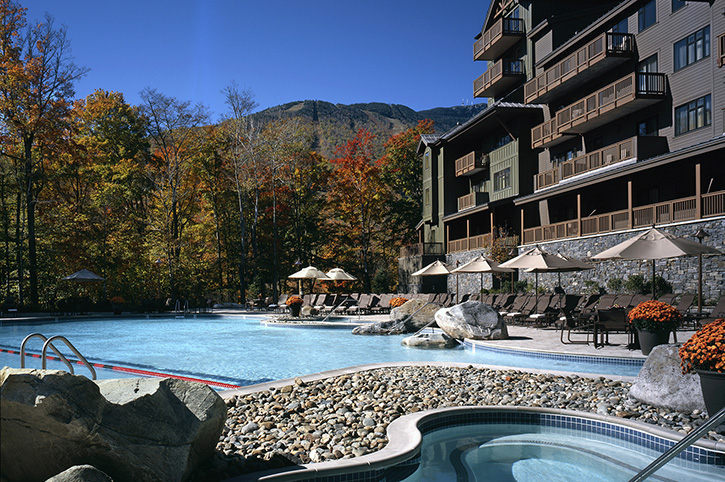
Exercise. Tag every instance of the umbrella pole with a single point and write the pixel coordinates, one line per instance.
(654, 294)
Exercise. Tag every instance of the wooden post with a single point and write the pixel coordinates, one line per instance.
(698, 193)
(579, 214)
(447, 238)
(630, 221)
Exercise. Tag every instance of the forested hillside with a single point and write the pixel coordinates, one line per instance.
(336, 123)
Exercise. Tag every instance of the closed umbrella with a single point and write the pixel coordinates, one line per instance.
(652, 245)
(309, 272)
(481, 264)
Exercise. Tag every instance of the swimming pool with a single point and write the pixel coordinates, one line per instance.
(239, 350)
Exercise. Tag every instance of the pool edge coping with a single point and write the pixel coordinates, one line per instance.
(405, 438)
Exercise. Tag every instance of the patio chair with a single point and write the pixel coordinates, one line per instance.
(571, 324)
(501, 302)
(280, 304)
(586, 309)
(323, 301)
(545, 309)
(611, 320)
(668, 298)
(516, 304)
(717, 312)
(526, 309)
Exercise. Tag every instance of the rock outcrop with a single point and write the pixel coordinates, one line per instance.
(472, 319)
(430, 340)
(661, 383)
(142, 429)
(401, 321)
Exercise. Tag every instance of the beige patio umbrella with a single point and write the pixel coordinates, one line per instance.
(481, 264)
(652, 245)
(536, 260)
(309, 272)
(437, 267)
(339, 274)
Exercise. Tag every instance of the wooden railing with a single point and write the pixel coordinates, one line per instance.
(603, 46)
(613, 96)
(599, 158)
(547, 178)
(480, 241)
(470, 162)
(420, 249)
(496, 72)
(503, 27)
(683, 209)
(471, 200)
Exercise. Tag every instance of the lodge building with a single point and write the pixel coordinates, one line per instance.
(603, 118)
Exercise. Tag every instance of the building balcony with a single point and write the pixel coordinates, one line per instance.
(605, 52)
(472, 200)
(629, 94)
(639, 147)
(500, 77)
(421, 249)
(481, 241)
(470, 164)
(495, 41)
(683, 209)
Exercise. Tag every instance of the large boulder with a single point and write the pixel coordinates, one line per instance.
(415, 313)
(81, 473)
(472, 319)
(660, 382)
(430, 340)
(140, 429)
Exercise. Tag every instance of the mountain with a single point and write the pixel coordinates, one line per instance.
(335, 124)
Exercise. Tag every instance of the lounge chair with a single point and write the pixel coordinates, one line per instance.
(526, 309)
(717, 312)
(516, 304)
(546, 308)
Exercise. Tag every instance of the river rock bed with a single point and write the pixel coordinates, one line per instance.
(347, 416)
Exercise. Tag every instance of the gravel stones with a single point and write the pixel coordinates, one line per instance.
(347, 416)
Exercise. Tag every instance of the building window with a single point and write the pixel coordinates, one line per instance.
(622, 26)
(721, 50)
(647, 15)
(678, 4)
(692, 48)
(649, 64)
(648, 127)
(693, 115)
(502, 179)
(426, 160)
(427, 197)
(565, 156)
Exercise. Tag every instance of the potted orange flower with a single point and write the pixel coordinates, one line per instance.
(397, 301)
(654, 320)
(117, 304)
(295, 305)
(704, 353)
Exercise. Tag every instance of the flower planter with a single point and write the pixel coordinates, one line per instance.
(713, 390)
(295, 310)
(650, 339)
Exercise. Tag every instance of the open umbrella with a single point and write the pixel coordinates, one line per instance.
(654, 244)
(536, 260)
(338, 274)
(480, 264)
(83, 275)
(309, 272)
(436, 268)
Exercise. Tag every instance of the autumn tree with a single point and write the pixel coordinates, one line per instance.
(176, 138)
(357, 196)
(36, 86)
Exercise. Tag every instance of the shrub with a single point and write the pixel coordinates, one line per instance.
(615, 285)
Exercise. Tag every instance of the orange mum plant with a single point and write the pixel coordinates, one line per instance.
(117, 300)
(398, 301)
(654, 316)
(294, 300)
(705, 350)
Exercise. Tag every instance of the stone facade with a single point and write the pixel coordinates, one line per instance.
(681, 273)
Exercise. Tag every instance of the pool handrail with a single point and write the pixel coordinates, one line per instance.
(683, 444)
(48, 343)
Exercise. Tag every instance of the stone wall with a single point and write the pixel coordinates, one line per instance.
(681, 273)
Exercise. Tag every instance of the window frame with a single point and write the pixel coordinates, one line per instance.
(642, 15)
(689, 45)
(502, 176)
(678, 4)
(688, 114)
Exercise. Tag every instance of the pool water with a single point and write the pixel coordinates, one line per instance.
(240, 350)
(532, 453)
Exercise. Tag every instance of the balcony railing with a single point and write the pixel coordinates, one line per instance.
(498, 39)
(421, 249)
(499, 77)
(474, 242)
(635, 91)
(683, 209)
(606, 51)
(471, 200)
(547, 178)
(470, 164)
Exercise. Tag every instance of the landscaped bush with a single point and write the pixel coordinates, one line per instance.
(637, 284)
(615, 285)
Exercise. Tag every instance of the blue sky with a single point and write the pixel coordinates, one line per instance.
(416, 53)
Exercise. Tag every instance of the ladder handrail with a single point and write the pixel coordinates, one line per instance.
(45, 339)
(49, 342)
(680, 446)
(336, 307)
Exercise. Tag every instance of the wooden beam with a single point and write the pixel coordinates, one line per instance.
(630, 221)
(698, 193)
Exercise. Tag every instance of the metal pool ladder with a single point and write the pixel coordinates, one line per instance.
(680, 446)
(48, 343)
